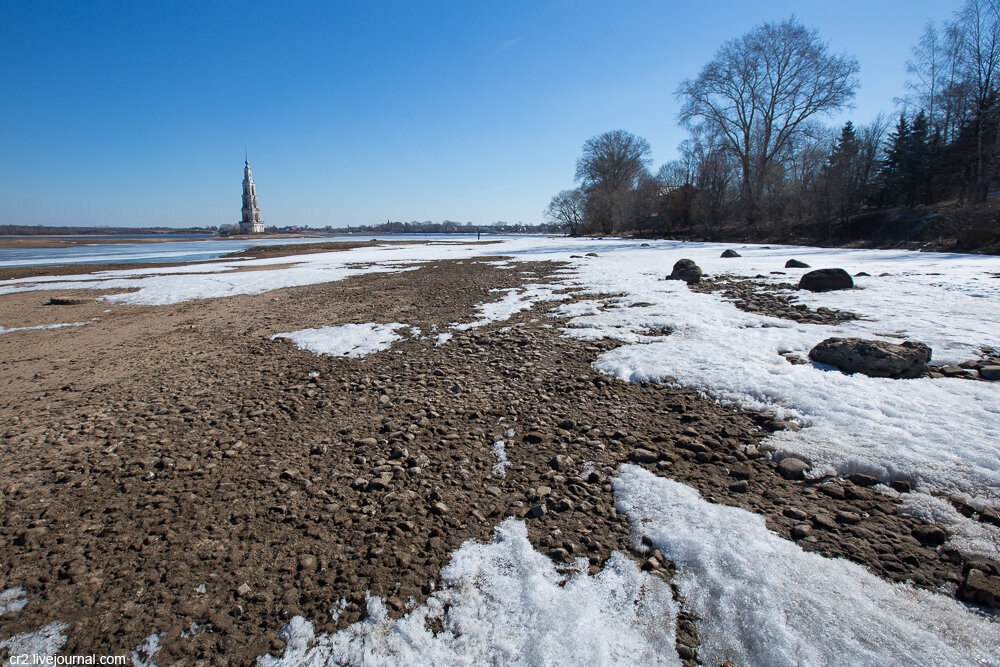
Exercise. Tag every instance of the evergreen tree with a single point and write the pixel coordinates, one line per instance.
(843, 173)
(896, 162)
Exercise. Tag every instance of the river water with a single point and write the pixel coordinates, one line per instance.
(182, 250)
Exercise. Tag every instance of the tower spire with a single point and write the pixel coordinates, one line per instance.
(250, 222)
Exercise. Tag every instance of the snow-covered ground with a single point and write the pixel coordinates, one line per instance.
(761, 598)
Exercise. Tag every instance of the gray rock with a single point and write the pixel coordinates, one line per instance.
(990, 373)
(795, 264)
(561, 462)
(981, 587)
(686, 270)
(439, 508)
(730, 253)
(826, 280)
(739, 487)
(824, 521)
(874, 358)
(793, 468)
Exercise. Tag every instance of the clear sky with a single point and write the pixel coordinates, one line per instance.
(136, 113)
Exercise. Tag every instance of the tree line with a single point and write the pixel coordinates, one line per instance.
(758, 156)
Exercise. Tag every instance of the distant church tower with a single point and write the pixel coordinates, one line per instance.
(251, 222)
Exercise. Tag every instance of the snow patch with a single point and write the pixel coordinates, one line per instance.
(12, 599)
(348, 340)
(505, 603)
(764, 601)
(39, 644)
(501, 467)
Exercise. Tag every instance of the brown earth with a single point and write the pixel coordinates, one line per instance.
(159, 449)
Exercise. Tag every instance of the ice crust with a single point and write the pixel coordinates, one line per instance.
(505, 603)
(764, 601)
(347, 340)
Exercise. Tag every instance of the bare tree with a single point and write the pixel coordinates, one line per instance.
(979, 21)
(927, 71)
(567, 209)
(609, 171)
(759, 91)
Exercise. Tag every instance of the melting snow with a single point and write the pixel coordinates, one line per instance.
(764, 601)
(348, 340)
(505, 603)
(498, 450)
(39, 644)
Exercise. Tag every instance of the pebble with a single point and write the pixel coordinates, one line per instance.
(793, 468)
(642, 456)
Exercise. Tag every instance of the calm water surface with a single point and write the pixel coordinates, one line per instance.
(181, 250)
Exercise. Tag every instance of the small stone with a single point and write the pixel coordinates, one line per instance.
(439, 508)
(243, 590)
(850, 518)
(832, 490)
(368, 442)
(824, 521)
(307, 563)
(862, 480)
(795, 264)
(739, 487)
(534, 437)
(901, 485)
(643, 456)
(800, 531)
(561, 462)
(564, 505)
(930, 535)
(774, 425)
(537, 511)
(559, 555)
(795, 513)
(793, 468)
(567, 424)
(981, 587)
(730, 253)
(739, 472)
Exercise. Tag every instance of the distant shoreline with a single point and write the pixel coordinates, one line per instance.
(66, 241)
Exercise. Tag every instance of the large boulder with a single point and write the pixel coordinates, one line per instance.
(826, 280)
(730, 253)
(795, 264)
(874, 358)
(686, 270)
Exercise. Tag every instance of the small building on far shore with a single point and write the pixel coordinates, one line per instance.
(250, 222)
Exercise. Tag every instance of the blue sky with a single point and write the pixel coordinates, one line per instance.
(136, 113)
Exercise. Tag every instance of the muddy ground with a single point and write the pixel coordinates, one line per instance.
(173, 470)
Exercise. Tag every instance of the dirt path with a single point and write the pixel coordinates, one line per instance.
(172, 470)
